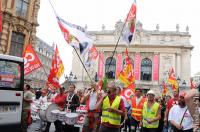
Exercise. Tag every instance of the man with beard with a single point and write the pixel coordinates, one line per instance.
(170, 103)
(179, 116)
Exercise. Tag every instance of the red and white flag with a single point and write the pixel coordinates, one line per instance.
(130, 22)
(31, 61)
(127, 93)
(57, 70)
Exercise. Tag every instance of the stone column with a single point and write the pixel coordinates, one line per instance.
(178, 64)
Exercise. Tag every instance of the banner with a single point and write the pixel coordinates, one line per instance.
(31, 61)
(118, 64)
(101, 65)
(137, 66)
(155, 66)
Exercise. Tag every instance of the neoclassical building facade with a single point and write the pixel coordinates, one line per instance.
(19, 20)
(152, 54)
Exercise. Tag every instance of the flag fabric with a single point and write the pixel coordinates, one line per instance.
(75, 36)
(31, 61)
(127, 93)
(165, 89)
(0, 18)
(192, 84)
(126, 76)
(172, 80)
(57, 70)
(130, 22)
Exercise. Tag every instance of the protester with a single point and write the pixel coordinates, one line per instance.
(113, 109)
(92, 119)
(179, 116)
(170, 103)
(26, 115)
(124, 118)
(151, 113)
(72, 102)
(137, 106)
(60, 100)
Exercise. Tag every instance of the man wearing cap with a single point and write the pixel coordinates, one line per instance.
(151, 113)
(112, 107)
(180, 117)
(90, 98)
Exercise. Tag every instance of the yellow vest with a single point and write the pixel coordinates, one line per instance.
(112, 118)
(150, 114)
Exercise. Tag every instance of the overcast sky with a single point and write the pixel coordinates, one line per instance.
(94, 13)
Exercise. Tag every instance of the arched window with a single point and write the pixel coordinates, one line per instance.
(146, 69)
(110, 73)
(131, 60)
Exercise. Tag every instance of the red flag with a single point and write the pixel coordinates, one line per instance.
(126, 76)
(172, 80)
(192, 84)
(165, 89)
(0, 18)
(31, 61)
(57, 69)
(127, 93)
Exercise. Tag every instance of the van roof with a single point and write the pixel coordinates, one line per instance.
(9, 57)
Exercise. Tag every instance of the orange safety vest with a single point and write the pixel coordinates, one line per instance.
(137, 109)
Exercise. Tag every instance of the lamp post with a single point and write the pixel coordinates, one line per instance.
(70, 79)
(181, 83)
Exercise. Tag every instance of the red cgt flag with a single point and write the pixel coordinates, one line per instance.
(31, 61)
(57, 69)
(172, 80)
(165, 89)
(127, 93)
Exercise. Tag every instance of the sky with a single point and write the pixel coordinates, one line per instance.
(94, 13)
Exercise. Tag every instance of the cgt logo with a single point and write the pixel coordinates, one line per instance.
(29, 57)
(81, 119)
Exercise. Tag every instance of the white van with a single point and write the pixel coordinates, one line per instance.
(11, 92)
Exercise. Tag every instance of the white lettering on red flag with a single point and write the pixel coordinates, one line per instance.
(31, 61)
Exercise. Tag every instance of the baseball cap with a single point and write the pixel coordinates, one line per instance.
(151, 92)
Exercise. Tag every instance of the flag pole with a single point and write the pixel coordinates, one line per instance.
(73, 47)
(116, 46)
(82, 63)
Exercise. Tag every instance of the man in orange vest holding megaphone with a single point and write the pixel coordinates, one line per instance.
(137, 106)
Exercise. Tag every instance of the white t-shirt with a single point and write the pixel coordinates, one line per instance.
(43, 100)
(176, 114)
(93, 100)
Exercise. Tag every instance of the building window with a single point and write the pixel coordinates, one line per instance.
(131, 60)
(17, 44)
(110, 73)
(146, 69)
(21, 7)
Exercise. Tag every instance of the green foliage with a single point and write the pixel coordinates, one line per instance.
(104, 83)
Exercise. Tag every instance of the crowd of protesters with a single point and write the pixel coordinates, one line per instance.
(107, 111)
